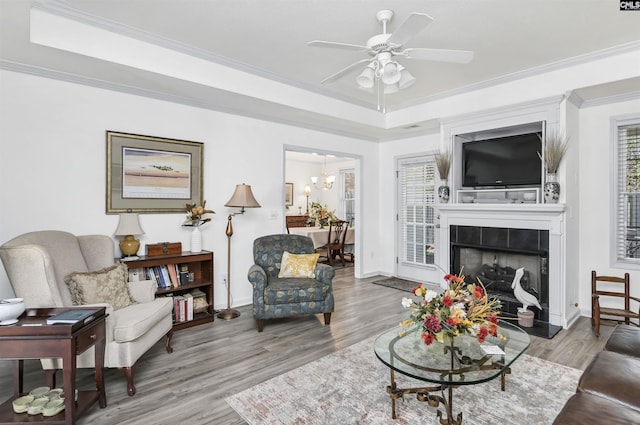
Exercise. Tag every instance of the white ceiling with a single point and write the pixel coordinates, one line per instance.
(267, 40)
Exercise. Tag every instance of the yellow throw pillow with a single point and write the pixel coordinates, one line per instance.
(298, 265)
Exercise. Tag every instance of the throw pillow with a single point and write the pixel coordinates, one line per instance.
(298, 265)
(108, 285)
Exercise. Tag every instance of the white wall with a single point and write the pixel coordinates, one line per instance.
(596, 216)
(52, 168)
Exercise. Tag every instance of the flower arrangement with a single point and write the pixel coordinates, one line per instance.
(462, 308)
(321, 213)
(443, 163)
(195, 215)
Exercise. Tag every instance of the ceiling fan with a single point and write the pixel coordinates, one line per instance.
(384, 48)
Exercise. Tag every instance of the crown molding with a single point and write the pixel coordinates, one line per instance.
(530, 72)
(622, 97)
(57, 7)
(135, 91)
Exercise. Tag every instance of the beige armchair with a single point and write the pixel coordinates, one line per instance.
(37, 263)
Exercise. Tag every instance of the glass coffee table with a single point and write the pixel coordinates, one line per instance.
(448, 365)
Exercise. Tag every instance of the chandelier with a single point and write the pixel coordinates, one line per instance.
(327, 179)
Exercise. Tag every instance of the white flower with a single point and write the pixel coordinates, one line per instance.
(406, 302)
(430, 295)
(458, 310)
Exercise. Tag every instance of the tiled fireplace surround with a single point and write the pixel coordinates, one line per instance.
(492, 222)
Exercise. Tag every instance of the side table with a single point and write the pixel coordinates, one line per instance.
(32, 338)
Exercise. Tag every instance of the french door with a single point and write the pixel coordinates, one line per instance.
(416, 218)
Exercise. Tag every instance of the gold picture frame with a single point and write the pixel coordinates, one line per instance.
(147, 174)
(288, 194)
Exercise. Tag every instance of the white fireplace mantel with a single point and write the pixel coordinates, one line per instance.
(549, 217)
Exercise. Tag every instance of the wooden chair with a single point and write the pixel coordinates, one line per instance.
(335, 242)
(597, 311)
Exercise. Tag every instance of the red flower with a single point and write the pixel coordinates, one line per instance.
(482, 334)
(493, 318)
(448, 277)
(452, 321)
(478, 293)
(432, 323)
(447, 301)
(427, 338)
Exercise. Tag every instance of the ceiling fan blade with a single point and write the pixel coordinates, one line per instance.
(343, 71)
(345, 46)
(415, 23)
(439, 55)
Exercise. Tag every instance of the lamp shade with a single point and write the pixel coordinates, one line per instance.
(307, 190)
(242, 197)
(129, 225)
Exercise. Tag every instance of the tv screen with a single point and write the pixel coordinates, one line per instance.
(504, 161)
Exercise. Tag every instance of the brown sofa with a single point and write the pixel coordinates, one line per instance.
(609, 389)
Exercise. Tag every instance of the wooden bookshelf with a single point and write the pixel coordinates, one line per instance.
(198, 263)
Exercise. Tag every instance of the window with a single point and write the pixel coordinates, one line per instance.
(416, 180)
(627, 133)
(347, 195)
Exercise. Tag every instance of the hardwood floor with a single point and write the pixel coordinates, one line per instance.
(213, 361)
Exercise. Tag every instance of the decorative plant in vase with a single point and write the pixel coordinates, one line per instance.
(321, 214)
(554, 150)
(443, 164)
(195, 218)
(461, 308)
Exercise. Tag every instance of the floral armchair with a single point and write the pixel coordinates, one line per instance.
(279, 297)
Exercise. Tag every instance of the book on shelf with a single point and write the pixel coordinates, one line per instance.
(72, 316)
(173, 275)
(165, 276)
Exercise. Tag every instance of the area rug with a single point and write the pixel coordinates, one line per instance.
(396, 283)
(348, 387)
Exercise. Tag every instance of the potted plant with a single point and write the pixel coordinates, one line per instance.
(443, 164)
(554, 149)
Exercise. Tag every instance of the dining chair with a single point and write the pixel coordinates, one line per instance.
(611, 284)
(335, 242)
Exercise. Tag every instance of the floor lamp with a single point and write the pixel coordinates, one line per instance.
(242, 198)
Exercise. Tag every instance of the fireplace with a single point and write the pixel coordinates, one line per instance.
(493, 255)
(549, 228)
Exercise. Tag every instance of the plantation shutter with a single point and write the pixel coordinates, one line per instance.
(628, 193)
(417, 201)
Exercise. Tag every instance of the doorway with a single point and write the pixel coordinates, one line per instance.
(343, 197)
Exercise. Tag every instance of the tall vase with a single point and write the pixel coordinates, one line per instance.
(443, 192)
(196, 239)
(551, 189)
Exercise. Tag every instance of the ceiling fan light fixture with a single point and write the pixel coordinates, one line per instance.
(366, 78)
(390, 73)
(406, 80)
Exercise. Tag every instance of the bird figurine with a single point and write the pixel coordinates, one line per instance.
(521, 295)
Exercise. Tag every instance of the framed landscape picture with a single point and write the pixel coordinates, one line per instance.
(288, 194)
(148, 174)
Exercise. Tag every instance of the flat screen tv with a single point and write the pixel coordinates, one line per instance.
(502, 162)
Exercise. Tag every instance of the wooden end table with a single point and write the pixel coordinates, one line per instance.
(32, 338)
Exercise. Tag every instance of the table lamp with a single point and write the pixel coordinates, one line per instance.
(307, 191)
(129, 226)
(242, 198)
